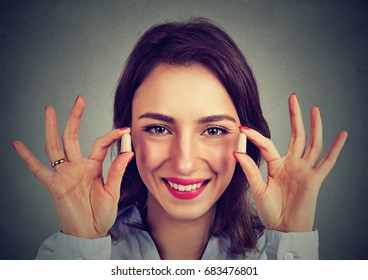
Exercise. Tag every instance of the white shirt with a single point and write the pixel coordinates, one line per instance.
(137, 244)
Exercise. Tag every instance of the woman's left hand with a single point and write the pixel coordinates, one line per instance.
(287, 201)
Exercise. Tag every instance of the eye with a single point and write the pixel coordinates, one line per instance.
(215, 131)
(156, 129)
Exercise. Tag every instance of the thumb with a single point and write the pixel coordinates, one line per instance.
(251, 171)
(116, 172)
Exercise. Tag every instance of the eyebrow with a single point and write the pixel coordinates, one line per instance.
(168, 119)
(159, 117)
(216, 118)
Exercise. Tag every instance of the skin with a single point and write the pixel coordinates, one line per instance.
(87, 206)
(287, 201)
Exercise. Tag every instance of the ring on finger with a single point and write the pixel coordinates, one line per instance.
(56, 162)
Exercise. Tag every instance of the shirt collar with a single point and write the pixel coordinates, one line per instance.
(132, 215)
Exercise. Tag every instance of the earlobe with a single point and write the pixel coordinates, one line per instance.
(241, 146)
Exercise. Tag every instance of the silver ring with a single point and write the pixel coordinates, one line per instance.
(58, 162)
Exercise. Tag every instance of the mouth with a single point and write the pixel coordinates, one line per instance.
(185, 188)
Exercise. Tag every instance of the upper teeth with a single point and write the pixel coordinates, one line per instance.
(183, 188)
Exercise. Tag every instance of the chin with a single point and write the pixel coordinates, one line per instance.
(191, 213)
(182, 209)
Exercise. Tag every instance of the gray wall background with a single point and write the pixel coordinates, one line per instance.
(52, 51)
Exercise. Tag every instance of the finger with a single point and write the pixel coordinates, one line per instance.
(265, 145)
(43, 174)
(116, 172)
(315, 147)
(102, 144)
(53, 149)
(328, 162)
(70, 136)
(298, 135)
(251, 171)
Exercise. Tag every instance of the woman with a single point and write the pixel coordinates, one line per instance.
(185, 95)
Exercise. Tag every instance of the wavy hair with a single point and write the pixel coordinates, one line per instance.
(198, 41)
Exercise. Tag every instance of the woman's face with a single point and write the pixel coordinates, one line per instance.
(184, 133)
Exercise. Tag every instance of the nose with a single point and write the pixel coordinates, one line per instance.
(185, 155)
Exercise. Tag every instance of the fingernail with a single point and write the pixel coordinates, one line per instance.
(12, 143)
(294, 93)
(241, 146)
(76, 99)
(130, 159)
(245, 127)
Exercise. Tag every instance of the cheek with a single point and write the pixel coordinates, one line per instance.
(149, 155)
(221, 157)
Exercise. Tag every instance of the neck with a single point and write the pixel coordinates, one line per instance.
(178, 238)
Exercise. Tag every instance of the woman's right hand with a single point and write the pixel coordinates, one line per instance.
(86, 205)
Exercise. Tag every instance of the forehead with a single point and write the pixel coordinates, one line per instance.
(173, 89)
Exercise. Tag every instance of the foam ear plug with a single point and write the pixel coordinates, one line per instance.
(126, 143)
(241, 146)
